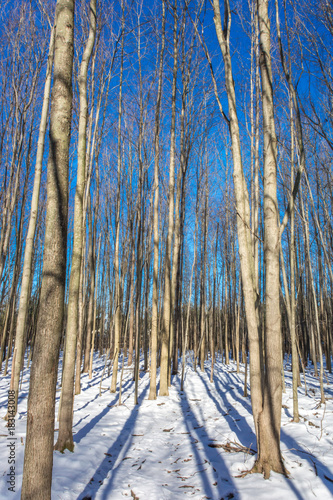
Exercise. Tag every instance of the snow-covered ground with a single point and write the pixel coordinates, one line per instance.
(171, 449)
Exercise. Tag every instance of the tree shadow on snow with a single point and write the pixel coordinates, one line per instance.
(91, 424)
(237, 422)
(319, 468)
(122, 443)
(245, 434)
(125, 386)
(224, 485)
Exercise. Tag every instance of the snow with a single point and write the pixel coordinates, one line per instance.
(170, 448)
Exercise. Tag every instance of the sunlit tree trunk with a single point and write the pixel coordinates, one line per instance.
(213, 334)
(167, 306)
(91, 286)
(203, 329)
(267, 424)
(269, 453)
(243, 213)
(154, 320)
(185, 335)
(65, 436)
(117, 320)
(314, 301)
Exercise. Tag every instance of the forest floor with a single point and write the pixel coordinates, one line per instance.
(191, 444)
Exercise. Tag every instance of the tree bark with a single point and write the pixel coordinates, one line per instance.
(167, 306)
(65, 436)
(269, 454)
(267, 401)
(154, 319)
(38, 458)
(117, 320)
(243, 215)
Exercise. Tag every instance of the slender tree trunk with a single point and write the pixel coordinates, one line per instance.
(154, 320)
(140, 227)
(266, 406)
(315, 305)
(294, 354)
(167, 306)
(131, 309)
(95, 313)
(213, 336)
(226, 318)
(79, 346)
(91, 265)
(174, 274)
(203, 328)
(28, 254)
(243, 215)
(65, 436)
(117, 322)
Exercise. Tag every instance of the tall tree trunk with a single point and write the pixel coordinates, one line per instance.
(266, 406)
(203, 328)
(95, 312)
(185, 334)
(65, 436)
(140, 224)
(154, 319)
(131, 307)
(174, 273)
(269, 453)
(213, 339)
(315, 305)
(117, 319)
(243, 214)
(167, 306)
(38, 457)
(91, 267)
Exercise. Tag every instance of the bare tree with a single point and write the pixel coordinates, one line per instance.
(117, 313)
(167, 306)
(154, 319)
(266, 398)
(65, 436)
(38, 457)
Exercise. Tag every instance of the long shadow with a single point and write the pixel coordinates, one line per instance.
(224, 485)
(221, 388)
(90, 382)
(97, 375)
(129, 382)
(87, 403)
(320, 469)
(89, 425)
(237, 382)
(290, 442)
(244, 432)
(124, 439)
(21, 397)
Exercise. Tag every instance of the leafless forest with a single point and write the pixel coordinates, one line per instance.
(166, 186)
